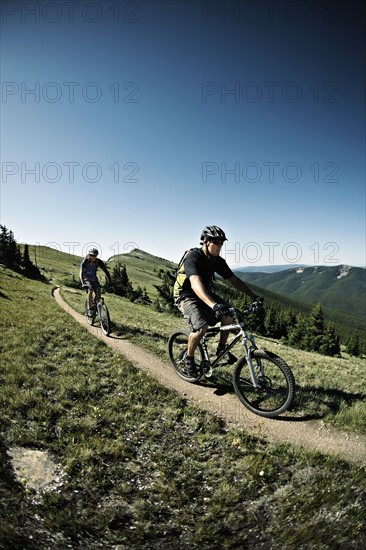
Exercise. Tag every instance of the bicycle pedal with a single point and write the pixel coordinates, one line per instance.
(208, 372)
(206, 369)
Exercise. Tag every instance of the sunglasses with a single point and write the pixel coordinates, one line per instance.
(217, 242)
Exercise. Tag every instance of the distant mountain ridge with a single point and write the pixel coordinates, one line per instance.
(274, 268)
(339, 287)
(266, 268)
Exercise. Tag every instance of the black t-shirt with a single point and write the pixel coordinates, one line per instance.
(197, 263)
(90, 268)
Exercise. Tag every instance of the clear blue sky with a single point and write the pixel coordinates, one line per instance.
(138, 123)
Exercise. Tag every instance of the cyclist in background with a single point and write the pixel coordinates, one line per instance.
(194, 297)
(88, 274)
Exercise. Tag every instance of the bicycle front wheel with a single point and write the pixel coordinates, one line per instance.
(90, 318)
(105, 322)
(177, 350)
(276, 389)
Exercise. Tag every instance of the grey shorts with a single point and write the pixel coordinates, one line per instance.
(197, 313)
(93, 284)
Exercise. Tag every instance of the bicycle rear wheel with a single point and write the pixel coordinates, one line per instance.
(105, 322)
(90, 318)
(276, 384)
(177, 350)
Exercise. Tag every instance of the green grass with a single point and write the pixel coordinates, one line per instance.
(142, 468)
(54, 262)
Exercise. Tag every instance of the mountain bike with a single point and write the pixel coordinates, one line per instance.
(262, 380)
(99, 309)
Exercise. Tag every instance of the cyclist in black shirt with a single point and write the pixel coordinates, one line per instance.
(88, 273)
(193, 294)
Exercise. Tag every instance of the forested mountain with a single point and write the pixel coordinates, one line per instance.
(341, 287)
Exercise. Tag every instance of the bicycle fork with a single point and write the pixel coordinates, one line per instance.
(251, 370)
(250, 363)
(99, 302)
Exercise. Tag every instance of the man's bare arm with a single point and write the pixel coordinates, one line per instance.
(200, 290)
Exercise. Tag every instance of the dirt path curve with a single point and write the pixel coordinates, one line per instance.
(313, 435)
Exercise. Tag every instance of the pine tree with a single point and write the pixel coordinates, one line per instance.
(297, 334)
(258, 322)
(330, 344)
(157, 306)
(312, 334)
(284, 323)
(10, 254)
(315, 330)
(165, 290)
(120, 281)
(271, 323)
(353, 347)
(146, 297)
(3, 244)
(274, 323)
(29, 269)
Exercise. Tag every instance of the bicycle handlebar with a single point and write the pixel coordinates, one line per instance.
(255, 306)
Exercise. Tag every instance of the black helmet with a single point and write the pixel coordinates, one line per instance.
(213, 232)
(93, 251)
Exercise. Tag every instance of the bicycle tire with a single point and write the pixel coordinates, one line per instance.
(104, 319)
(90, 318)
(177, 349)
(277, 390)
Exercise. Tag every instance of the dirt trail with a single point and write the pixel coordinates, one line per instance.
(312, 435)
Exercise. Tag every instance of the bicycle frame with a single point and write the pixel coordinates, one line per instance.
(98, 301)
(243, 335)
(263, 381)
(97, 298)
(97, 294)
(98, 308)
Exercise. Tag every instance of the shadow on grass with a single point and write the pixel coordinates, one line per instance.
(331, 398)
(310, 403)
(317, 403)
(124, 333)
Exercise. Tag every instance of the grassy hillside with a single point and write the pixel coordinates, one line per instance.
(55, 265)
(59, 267)
(141, 469)
(143, 269)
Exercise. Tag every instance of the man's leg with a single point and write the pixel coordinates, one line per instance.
(195, 315)
(90, 298)
(224, 335)
(194, 339)
(94, 288)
